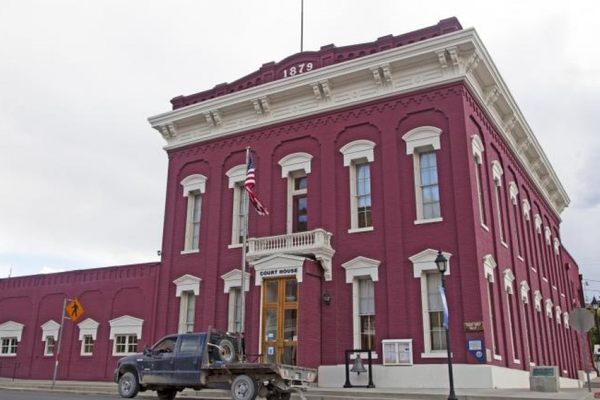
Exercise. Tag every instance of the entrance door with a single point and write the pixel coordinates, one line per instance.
(280, 321)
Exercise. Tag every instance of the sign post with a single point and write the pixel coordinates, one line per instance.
(582, 321)
(74, 310)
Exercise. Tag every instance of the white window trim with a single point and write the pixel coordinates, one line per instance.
(513, 192)
(295, 162)
(497, 172)
(187, 289)
(558, 312)
(548, 235)
(356, 153)
(233, 280)
(509, 278)
(566, 320)
(50, 329)
(549, 305)
(524, 292)
(489, 264)
(526, 210)
(556, 246)
(127, 343)
(538, 223)
(87, 327)
(9, 338)
(237, 177)
(420, 140)
(124, 325)
(537, 298)
(192, 184)
(9, 330)
(187, 282)
(293, 166)
(424, 263)
(82, 350)
(478, 149)
(357, 268)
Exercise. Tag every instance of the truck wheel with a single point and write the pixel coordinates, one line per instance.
(166, 394)
(128, 385)
(243, 388)
(228, 353)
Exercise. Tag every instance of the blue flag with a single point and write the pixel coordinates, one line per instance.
(445, 305)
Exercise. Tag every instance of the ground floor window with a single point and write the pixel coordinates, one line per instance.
(366, 313)
(50, 344)
(87, 345)
(125, 344)
(435, 310)
(8, 346)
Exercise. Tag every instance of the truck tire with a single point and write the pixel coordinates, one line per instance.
(166, 394)
(243, 388)
(128, 385)
(228, 353)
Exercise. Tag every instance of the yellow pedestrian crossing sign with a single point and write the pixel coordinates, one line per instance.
(74, 310)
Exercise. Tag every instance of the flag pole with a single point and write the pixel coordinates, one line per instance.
(60, 336)
(301, 25)
(245, 204)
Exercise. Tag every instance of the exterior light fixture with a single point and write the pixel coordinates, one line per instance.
(326, 298)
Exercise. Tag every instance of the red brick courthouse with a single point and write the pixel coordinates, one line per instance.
(370, 158)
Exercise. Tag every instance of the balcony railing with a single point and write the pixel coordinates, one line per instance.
(316, 243)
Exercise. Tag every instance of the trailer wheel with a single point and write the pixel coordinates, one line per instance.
(166, 394)
(227, 352)
(243, 388)
(128, 385)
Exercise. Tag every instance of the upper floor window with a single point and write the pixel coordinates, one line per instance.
(295, 168)
(497, 172)
(193, 188)
(357, 156)
(421, 143)
(237, 176)
(477, 148)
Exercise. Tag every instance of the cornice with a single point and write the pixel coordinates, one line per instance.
(455, 57)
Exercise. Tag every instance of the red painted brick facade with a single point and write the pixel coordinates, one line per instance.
(326, 331)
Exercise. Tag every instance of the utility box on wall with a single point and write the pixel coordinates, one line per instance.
(544, 379)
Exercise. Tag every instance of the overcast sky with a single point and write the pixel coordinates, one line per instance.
(82, 174)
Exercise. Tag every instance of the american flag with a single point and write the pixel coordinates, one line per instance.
(249, 185)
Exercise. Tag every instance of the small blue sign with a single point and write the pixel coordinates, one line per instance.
(476, 348)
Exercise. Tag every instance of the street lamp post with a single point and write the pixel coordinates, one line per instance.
(442, 265)
(595, 305)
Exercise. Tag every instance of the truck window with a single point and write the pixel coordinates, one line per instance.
(189, 344)
(166, 346)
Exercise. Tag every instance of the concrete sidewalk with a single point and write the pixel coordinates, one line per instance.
(85, 387)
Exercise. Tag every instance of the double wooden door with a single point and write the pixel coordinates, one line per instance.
(280, 321)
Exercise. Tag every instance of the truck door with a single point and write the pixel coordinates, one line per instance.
(159, 364)
(188, 360)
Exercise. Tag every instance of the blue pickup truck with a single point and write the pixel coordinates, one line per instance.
(206, 360)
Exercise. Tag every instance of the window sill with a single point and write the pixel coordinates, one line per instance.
(358, 230)
(364, 356)
(555, 288)
(503, 243)
(497, 357)
(545, 279)
(531, 364)
(86, 354)
(235, 246)
(190, 251)
(48, 355)
(533, 269)
(484, 226)
(441, 354)
(563, 295)
(516, 361)
(428, 221)
(521, 258)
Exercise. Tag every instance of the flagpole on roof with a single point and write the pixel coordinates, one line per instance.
(245, 204)
(301, 25)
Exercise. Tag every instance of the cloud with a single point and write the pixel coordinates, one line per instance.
(48, 270)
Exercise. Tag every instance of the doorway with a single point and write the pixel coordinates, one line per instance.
(280, 321)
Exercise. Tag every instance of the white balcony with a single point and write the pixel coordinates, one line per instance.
(315, 243)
